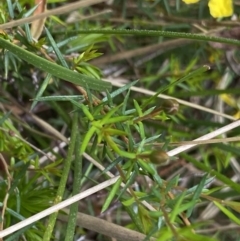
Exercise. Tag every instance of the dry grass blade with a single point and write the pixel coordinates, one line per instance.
(130, 131)
(57, 207)
(57, 11)
(164, 46)
(37, 26)
(208, 136)
(117, 83)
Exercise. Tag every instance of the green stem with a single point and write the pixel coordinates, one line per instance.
(219, 176)
(63, 181)
(114, 146)
(76, 188)
(167, 34)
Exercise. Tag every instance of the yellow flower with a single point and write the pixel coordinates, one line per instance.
(218, 8)
(190, 1)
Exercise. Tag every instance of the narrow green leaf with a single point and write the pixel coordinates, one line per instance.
(228, 148)
(146, 167)
(227, 213)
(94, 144)
(129, 182)
(172, 183)
(56, 49)
(41, 90)
(140, 129)
(131, 209)
(62, 43)
(71, 226)
(185, 78)
(209, 180)
(177, 205)
(112, 164)
(117, 119)
(138, 108)
(4, 118)
(125, 102)
(31, 11)
(109, 114)
(54, 69)
(111, 194)
(19, 176)
(131, 139)
(145, 218)
(157, 178)
(13, 213)
(212, 172)
(197, 194)
(19, 233)
(114, 146)
(28, 33)
(128, 202)
(120, 90)
(10, 9)
(84, 109)
(155, 214)
(187, 234)
(109, 99)
(59, 98)
(112, 131)
(211, 92)
(87, 139)
(90, 99)
(26, 25)
(6, 64)
(234, 205)
(149, 140)
(87, 173)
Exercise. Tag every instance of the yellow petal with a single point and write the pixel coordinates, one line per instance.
(237, 115)
(220, 8)
(229, 100)
(190, 1)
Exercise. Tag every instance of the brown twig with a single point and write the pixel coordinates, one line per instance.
(106, 228)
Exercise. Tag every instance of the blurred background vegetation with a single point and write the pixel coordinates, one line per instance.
(194, 196)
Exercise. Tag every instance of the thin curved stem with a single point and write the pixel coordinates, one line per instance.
(167, 34)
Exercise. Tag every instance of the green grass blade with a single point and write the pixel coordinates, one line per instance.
(121, 90)
(129, 182)
(185, 78)
(156, 33)
(197, 194)
(228, 213)
(54, 69)
(56, 49)
(76, 189)
(112, 164)
(59, 98)
(111, 194)
(176, 208)
(41, 90)
(10, 9)
(212, 172)
(4, 118)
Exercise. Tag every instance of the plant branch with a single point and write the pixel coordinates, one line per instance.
(106, 228)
